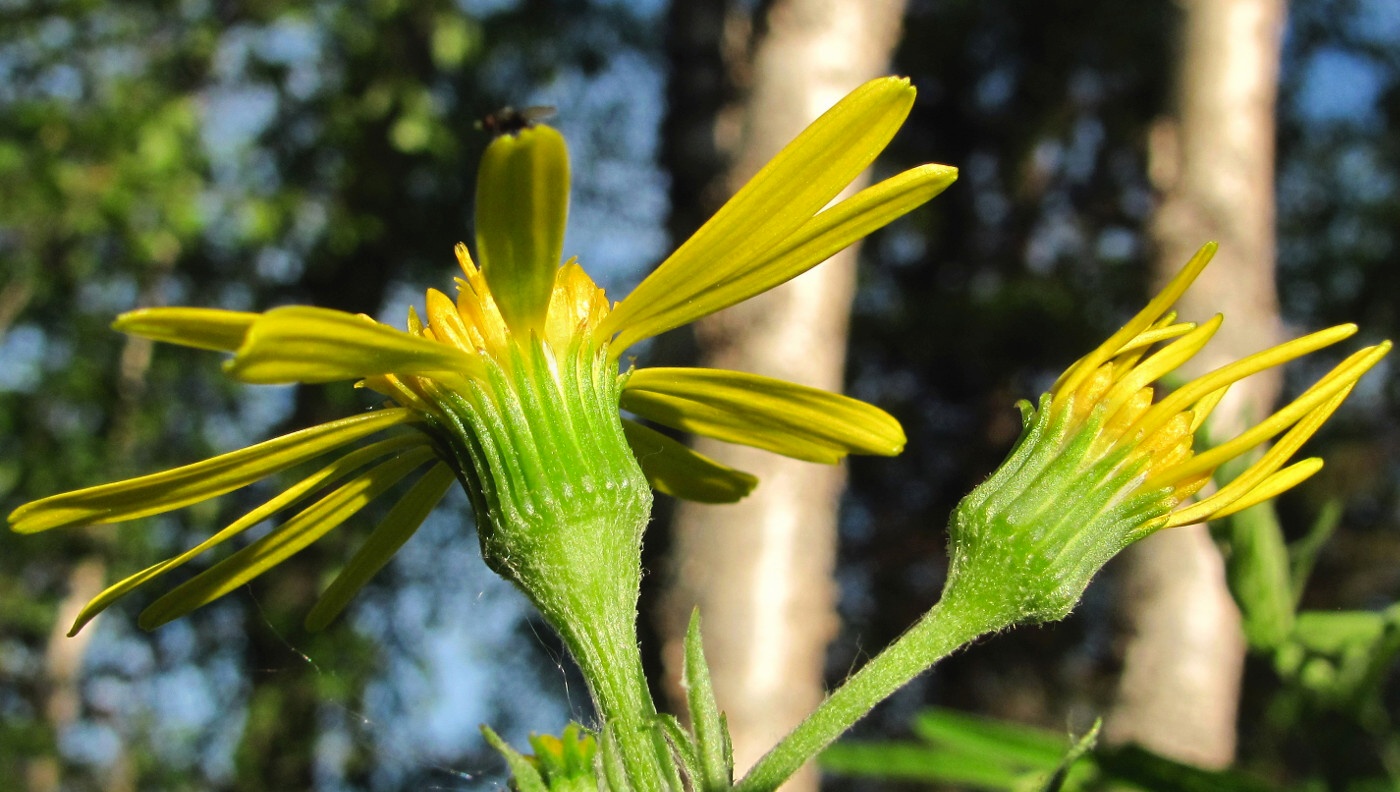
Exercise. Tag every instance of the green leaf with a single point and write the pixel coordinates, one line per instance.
(1134, 765)
(683, 748)
(172, 489)
(1304, 552)
(779, 199)
(908, 762)
(291, 537)
(973, 735)
(202, 328)
(299, 343)
(398, 525)
(1081, 747)
(526, 777)
(676, 470)
(711, 735)
(522, 204)
(1257, 572)
(789, 419)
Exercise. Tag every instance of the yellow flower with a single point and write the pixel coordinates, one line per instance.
(514, 386)
(1102, 464)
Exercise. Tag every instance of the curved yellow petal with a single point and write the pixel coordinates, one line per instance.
(816, 240)
(675, 469)
(398, 525)
(340, 468)
(299, 343)
(202, 328)
(1231, 373)
(291, 537)
(1273, 486)
(1162, 362)
(786, 193)
(172, 489)
(1258, 473)
(1144, 319)
(789, 419)
(1342, 377)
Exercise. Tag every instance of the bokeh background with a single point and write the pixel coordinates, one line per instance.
(251, 154)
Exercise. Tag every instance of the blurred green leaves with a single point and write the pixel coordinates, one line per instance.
(978, 753)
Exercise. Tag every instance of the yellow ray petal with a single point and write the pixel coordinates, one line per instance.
(1231, 373)
(398, 525)
(172, 489)
(1165, 360)
(304, 344)
(787, 192)
(202, 328)
(338, 469)
(789, 419)
(1344, 376)
(812, 243)
(1272, 487)
(1265, 466)
(288, 539)
(1143, 320)
(676, 470)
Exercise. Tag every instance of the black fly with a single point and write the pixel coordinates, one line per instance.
(509, 121)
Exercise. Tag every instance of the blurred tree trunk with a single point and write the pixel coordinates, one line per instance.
(64, 656)
(1214, 165)
(760, 571)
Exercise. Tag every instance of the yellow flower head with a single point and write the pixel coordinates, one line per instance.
(513, 386)
(1111, 389)
(1102, 463)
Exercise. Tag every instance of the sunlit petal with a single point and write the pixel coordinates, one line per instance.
(809, 245)
(303, 344)
(202, 328)
(793, 420)
(785, 194)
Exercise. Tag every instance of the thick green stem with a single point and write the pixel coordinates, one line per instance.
(953, 622)
(561, 504)
(611, 663)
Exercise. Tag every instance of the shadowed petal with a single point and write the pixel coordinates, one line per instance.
(681, 472)
(172, 489)
(291, 537)
(398, 525)
(338, 469)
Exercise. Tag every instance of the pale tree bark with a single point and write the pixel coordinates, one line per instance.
(1214, 164)
(760, 571)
